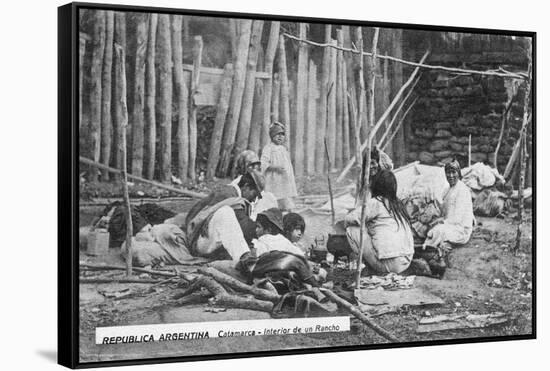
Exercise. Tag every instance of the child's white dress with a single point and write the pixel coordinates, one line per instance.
(281, 184)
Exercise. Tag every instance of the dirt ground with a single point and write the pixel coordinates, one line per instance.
(485, 276)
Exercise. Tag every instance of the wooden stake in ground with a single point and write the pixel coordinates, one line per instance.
(195, 77)
(311, 118)
(339, 139)
(165, 96)
(119, 39)
(138, 118)
(360, 91)
(275, 99)
(219, 121)
(243, 129)
(322, 121)
(331, 103)
(329, 183)
(182, 99)
(285, 91)
(150, 97)
(98, 51)
(301, 95)
(268, 88)
(106, 89)
(239, 80)
(121, 83)
(365, 173)
(523, 149)
(256, 124)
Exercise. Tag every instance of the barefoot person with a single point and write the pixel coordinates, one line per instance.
(387, 241)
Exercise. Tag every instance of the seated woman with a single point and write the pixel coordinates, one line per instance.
(388, 241)
(456, 224)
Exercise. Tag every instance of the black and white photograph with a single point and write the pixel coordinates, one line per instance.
(251, 184)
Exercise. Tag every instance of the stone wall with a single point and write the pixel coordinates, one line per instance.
(452, 107)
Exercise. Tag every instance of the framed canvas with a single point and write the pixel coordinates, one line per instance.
(240, 185)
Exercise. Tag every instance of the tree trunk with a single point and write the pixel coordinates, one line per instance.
(98, 51)
(122, 118)
(164, 108)
(339, 103)
(345, 114)
(195, 78)
(243, 130)
(257, 117)
(150, 97)
(120, 40)
(268, 88)
(139, 94)
(311, 118)
(285, 103)
(106, 93)
(398, 142)
(221, 114)
(322, 122)
(182, 93)
(331, 102)
(362, 94)
(81, 54)
(275, 100)
(239, 80)
(301, 102)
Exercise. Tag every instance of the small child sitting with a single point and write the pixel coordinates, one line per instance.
(294, 226)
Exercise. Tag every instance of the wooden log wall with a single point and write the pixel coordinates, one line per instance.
(316, 95)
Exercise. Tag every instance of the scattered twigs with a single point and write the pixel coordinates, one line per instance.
(362, 317)
(499, 72)
(120, 280)
(87, 161)
(383, 117)
(329, 184)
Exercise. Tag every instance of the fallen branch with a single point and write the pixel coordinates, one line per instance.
(87, 161)
(118, 280)
(222, 298)
(359, 315)
(235, 284)
(115, 267)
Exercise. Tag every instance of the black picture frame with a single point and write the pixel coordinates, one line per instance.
(68, 180)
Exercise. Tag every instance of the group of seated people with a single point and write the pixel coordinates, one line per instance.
(243, 218)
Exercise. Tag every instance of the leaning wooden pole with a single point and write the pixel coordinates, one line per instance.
(119, 39)
(384, 116)
(245, 116)
(383, 145)
(339, 139)
(98, 50)
(311, 118)
(150, 98)
(285, 91)
(365, 173)
(331, 103)
(121, 84)
(256, 123)
(165, 96)
(523, 150)
(322, 120)
(239, 80)
(268, 88)
(503, 122)
(138, 119)
(182, 95)
(301, 101)
(193, 107)
(106, 93)
(219, 121)
(330, 184)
